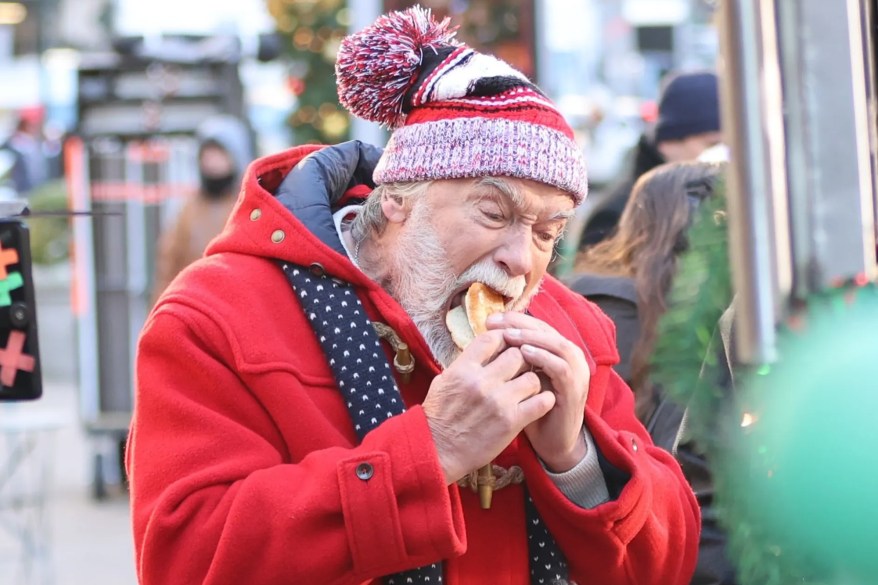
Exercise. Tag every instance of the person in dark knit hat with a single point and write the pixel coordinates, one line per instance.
(688, 125)
(688, 122)
(303, 413)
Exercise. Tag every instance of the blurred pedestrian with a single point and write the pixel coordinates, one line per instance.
(30, 169)
(688, 124)
(629, 274)
(225, 150)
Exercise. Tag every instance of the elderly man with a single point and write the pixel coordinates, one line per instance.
(303, 414)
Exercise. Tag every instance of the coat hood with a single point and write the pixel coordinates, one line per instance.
(288, 216)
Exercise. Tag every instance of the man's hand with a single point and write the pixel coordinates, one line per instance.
(477, 406)
(556, 437)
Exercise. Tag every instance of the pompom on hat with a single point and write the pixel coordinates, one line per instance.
(455, 113)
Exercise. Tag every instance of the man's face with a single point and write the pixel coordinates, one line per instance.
(216, 162)
(689, 148)
(499, 231)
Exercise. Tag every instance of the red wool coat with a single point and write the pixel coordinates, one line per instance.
(242, 456)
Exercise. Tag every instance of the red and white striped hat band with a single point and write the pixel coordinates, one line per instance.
(456, 113)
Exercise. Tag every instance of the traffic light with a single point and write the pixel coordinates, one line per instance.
(20, 377)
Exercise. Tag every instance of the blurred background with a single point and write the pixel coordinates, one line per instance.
(100, 104)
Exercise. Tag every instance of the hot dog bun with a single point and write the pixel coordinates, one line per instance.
(458, 325)
(468, 320)
(482, 301)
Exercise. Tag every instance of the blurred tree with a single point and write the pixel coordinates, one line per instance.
(312, 31)
(504, 28)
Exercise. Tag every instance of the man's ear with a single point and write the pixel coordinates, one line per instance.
(394, 208)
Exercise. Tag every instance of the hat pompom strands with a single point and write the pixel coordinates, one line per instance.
(378, 66)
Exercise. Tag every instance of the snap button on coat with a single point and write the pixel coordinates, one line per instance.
(365, 471)
(277, 236)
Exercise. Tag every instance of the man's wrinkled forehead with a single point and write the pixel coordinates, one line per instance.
(516, 192)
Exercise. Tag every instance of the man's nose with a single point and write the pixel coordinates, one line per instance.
(515, 254)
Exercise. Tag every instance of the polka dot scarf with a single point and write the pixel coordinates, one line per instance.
(366, 381)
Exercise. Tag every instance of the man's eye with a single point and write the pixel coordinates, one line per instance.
(492, 215)
(547, 237)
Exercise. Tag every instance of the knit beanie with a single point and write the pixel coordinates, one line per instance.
(454, 113)
(688, 106)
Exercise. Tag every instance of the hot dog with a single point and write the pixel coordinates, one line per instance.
(468, 320)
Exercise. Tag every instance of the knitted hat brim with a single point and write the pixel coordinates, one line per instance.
(458, 148)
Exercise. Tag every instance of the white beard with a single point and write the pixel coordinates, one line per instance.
(423, 281)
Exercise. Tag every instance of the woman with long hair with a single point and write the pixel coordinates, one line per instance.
(629, 275)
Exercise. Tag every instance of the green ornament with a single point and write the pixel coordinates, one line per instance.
(805, 468)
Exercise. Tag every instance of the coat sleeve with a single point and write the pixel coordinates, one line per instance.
(649, 530)
(217, 498)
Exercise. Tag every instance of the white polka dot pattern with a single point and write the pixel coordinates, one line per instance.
(547, 564)
(371, 398)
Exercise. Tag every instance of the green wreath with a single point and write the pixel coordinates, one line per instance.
(800, 493)
(701, 292)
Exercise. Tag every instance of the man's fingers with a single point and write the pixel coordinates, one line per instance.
(551, 342)
(519, 329)
(485, 347)
(509, 364)
(535, 407)
(522, 387)
(516, 320)
(556, 368)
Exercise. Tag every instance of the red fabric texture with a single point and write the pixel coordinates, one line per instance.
(528, 112)
(243, 460)
(355, 193)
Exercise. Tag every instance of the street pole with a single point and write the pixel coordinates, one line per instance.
(750, 104)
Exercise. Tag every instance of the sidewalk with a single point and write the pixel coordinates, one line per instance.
(86, 542)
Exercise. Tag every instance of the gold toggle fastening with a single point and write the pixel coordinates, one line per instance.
(403, 361)
(499, 478)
